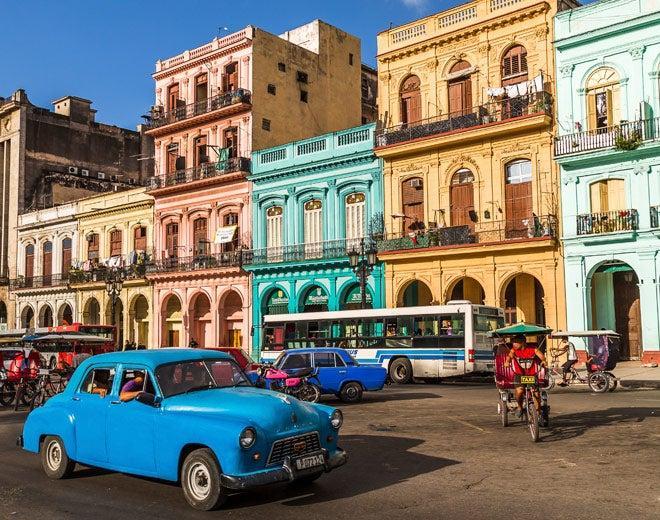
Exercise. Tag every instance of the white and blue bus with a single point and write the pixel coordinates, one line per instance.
(421, 342)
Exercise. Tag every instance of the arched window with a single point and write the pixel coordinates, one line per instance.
(461, 197)
(313, 228)
(115, 242)
(603, 103)
(412, 201)
(514, 66)
(93, 246)
(200, 236)
(47, 262)
(460, 89)
(355, 221)
(411, 101)
(66, 257)
(274, 231)
(29, 262)
(518, 197)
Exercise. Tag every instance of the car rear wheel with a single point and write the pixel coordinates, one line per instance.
(200, 480)
(401, 371)
(351, 392)
(54, 458)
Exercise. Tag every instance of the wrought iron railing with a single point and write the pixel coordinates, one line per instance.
(99, 272)
(626, 136)
(481, 233)
(197, 262)
(655, 216)
(327, 250)
(607, 222)
(487, 114)
(205, 171)
(200, 107)
(36, 282)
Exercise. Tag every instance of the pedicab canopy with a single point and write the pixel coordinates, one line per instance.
(520, 328)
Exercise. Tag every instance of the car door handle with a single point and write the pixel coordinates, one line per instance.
(75, 398)
(342, 371)
(115, 402)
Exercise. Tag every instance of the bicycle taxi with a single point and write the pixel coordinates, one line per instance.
(602, 348)
(527, 373)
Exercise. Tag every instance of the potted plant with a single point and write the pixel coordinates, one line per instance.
(628, 142)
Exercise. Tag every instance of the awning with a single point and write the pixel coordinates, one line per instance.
(354, 296)
(461, 73)
(520, 328)
(615, 268)
(583, 333)
(316, 296)
(226, 234)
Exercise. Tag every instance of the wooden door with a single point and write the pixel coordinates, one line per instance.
(29, 265)
(462, 202)
(115, 242)
(172, 239)
(201, 88)
(231, 141)
(412, 198)
(93, 247)
(172, 156)
(200, 151)
(518, 209)
(200, 236)
(47, 262)
(411, 101)
(627, 314)
(230, 78)
(172, 96)
(172, 338)
(140, 238)
(66, 257)
(460, 97)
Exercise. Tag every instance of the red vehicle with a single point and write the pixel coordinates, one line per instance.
(240, 356)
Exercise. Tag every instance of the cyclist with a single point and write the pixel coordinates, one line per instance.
(567, 347)
(520, 350)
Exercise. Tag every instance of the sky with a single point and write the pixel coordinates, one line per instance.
(105, 50)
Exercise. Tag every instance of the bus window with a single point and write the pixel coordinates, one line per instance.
(404, 326)
(483, 323)
(379, 328)
(452, 324)
(390, 327)
(426, 326)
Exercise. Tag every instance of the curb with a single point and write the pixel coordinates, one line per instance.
(639, 383)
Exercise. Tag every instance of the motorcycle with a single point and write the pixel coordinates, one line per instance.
(298, 386)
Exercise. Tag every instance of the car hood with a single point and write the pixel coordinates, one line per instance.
(273, 411)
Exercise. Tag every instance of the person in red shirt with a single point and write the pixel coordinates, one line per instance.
(520, 350)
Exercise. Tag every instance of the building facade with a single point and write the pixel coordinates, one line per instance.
(115, 233)
(47, 240)
(312, 202)
(608, 149)
(214, 105)
(466, 103)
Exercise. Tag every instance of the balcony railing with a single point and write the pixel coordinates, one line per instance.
(36, 282)
(328, 250)
(205, 171)
(197, 262)
(483, 115)
(626, 136)
(205, 106)
(607, 222)
(482, 233)
(655, 216)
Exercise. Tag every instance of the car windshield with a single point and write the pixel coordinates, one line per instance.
(203, 374)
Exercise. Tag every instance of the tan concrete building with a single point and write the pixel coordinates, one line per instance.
(466, 99)
(115, 233)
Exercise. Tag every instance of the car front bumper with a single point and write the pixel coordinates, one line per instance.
(284, 473)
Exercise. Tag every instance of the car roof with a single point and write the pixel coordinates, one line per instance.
(158, 356)
(314, 349)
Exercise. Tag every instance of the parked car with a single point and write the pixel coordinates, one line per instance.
(336, 370)
(191, 416)
(241, 357)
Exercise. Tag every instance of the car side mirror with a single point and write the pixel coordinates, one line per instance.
(148, 399)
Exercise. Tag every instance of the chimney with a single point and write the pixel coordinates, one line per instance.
(76, 109)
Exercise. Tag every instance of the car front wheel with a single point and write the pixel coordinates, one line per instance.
(54, 458)
(351, 392)
(200, 480)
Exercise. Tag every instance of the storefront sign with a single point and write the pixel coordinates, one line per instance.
(316, 296)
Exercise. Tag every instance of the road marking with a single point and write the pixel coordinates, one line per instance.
(466, 423)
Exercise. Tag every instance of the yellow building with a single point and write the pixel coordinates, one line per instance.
(471, 190)
(116, 235)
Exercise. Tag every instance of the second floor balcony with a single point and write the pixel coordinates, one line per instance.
(326, 250)
(201, 262)
(206, 171)
(39, 282)
(132, 267)
(608, 222)
(486, 115)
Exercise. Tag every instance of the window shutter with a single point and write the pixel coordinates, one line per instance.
(616, 195)
(610, 111)
(591, 111)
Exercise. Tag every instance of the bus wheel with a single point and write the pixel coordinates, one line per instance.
(401, 371)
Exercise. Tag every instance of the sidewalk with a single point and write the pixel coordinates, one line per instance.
(632, 374)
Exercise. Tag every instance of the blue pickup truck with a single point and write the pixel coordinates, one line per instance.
(336, 371)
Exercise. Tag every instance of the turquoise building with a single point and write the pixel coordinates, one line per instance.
(312, 201)
(608, 151)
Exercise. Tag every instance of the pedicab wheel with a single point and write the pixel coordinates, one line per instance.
(551, 382)
(533, 421)
(54, 459)
(401, 371)
(599, 382)
(613, 382)
(200, 480)
(7, 394)
(309, 392)
(351, 392)
(503, 410)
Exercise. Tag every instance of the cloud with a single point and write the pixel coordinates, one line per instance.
(415, 4)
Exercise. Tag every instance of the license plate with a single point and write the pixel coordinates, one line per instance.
(310, 461)
(527, 380)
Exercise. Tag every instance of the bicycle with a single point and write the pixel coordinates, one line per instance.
(47, 387)
(598, 381)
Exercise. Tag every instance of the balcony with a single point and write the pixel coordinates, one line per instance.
(133, 267)
(626, 136)
(328, 250)
(490, 114)
(204, 172)
(39, 282)
(607, 222)
(483, 233)
(197, 263)
(223, 104)
(655, 217)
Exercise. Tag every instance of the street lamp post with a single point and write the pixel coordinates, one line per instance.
(362, 262)
(114, 282)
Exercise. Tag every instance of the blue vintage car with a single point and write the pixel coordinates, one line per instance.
(336, 371)
(182, 415)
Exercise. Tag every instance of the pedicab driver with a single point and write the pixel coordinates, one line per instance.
(520, 350)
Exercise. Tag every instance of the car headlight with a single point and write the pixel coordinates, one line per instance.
(247, 438)
(336, 419)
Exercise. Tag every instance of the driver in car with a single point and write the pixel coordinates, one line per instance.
(520, 350)
(132, 388)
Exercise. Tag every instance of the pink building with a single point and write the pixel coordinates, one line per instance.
(214, 105)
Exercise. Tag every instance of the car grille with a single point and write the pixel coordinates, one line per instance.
(293, 447)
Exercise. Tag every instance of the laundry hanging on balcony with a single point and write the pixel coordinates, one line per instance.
(518, 89)
(225, 234)
(223, 157)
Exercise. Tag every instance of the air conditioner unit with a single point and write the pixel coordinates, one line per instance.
(73, 170)
(415, 183)
(84, 173)
(100, 175)
(131, 181)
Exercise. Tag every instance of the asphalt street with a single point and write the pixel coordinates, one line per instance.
(421, 451)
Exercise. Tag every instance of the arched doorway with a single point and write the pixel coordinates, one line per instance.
(416, 293)
(315, 299)
(65, 315)
(518, 198)
(172, 331)
(460, 89)
(139, 323)
(523, 299)
(27, 318)
(3, 315)
(468, 289)
(231, 319)
(352, 298)
(46, 316)
(117, 320)
(615, 305)
(199, 321)
(411, 101)
(461, 198)
(92, 312)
